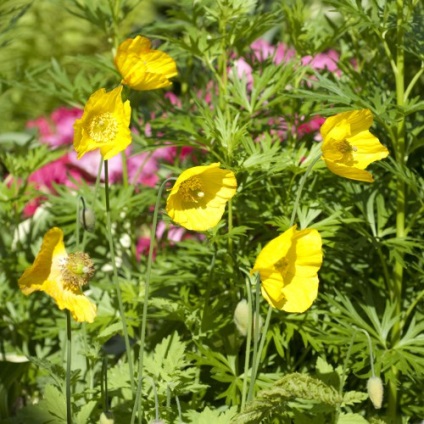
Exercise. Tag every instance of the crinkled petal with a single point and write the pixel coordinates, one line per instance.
(274, 251)
(81, 308)
(349, 172)
(299, 254)
(300, 294)
(98, 104)
(51, 251)
(142, 68)
(218, 186)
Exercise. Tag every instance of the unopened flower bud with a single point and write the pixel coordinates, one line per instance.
(241, 318)
(106, 418)
(87, 219)
(375, 391)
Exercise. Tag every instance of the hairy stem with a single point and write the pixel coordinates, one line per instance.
(115, 279)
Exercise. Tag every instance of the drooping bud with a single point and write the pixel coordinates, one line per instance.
(375, 391)
(106, 418)
(87, 219)
(241, 318)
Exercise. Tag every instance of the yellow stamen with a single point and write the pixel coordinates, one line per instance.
(191, 190)
(103, 128)
(77, 269)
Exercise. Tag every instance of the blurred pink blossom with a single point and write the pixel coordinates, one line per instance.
(312, 126)
(321, 61)
(57, 130)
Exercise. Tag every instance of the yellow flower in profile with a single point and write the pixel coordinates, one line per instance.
(104, 124)
(197, 200)
(348, 147)
(61, 276)
(288, 267)
(142, 68)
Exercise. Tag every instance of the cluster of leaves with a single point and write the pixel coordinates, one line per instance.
(195, 356)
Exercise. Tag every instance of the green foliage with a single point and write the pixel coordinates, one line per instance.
(257, 110)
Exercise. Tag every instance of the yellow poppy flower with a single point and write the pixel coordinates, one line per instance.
(142, 68)
(288, 267)
(197, 200)
(104, 124)
(61, 276)
(348, 147)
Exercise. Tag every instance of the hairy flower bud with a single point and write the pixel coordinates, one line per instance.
(241, 318)
(106, 418)
(375, 391)
(87, 219)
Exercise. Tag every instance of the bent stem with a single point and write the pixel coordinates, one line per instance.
(115, 279)
(138, 407)
(68, 367)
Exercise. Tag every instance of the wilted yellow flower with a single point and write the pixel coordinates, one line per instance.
(61, 276)
(104, 124)
(197, 200)
(142, 68)
(348, 147)
(288, 267)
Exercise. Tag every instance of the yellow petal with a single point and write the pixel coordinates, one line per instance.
(348, 147)
(142, 68)
(104, 124)
(51, 247)
(198, 198)
(300, 294)
(273, 251)
(81, 308)
(349, 172)
(288, 267)
(45, 275)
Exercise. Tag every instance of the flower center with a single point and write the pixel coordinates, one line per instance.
(77, 269)
(346, 149)
(103, 128)
(191, 190)
(281, 266)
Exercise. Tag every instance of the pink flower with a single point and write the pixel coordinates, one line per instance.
(262, 49)
(283, 53)
(312, 126)
(320, 61)
(89, 164)
(57, 130)
(143, 169)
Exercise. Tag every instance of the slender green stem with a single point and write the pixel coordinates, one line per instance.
(256, 358)
(301, 185)
(248, 341)
(257, 352)
(230, 226)
(208, 292)
(68, 367)
(397, 289)
(124, 169)
(116, 280)
(138, 407)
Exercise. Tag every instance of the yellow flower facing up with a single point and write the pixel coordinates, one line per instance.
(197, 200)
(104, 124)
(288, 267)
(61, 276)
(348, 147)
(142, 68)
